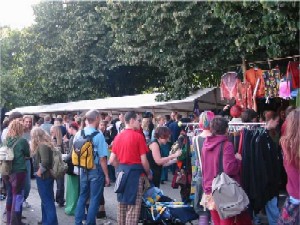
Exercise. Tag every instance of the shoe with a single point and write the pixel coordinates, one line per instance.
(101, 214)
(26, 205)
(39, 223)
(2, 197)
(162, 182)
(4, 217)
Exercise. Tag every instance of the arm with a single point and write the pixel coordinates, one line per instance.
(103, 163)
(102, 151)
(145, 164)
(231, 164)
(26, 150)
(157, 157)
(45, 164)
(113, 160)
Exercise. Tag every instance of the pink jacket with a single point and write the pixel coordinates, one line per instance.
(210, 160)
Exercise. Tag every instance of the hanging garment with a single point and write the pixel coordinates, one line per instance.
(269, 166)
(285, 89)
(244, 96)
(252, 75)
(293, 72)
(228, 85)
(272, 80)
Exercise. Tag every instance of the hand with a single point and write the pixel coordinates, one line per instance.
(150, 177)
(38, 173)
(178, 153)
(272, 123)
(238, 156)
(107, 181)
(226, 107)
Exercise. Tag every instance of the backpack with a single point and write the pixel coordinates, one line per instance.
(6, 158)
(83, 151)
(59, 167)
(229, 197)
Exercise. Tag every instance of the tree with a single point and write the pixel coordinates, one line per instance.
(195, 42)
(268, 28)
(87, 50)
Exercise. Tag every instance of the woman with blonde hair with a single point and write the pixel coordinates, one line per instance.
(41, 150)
(146, 131)
(290, 144)
(15, 181)
(57, 141)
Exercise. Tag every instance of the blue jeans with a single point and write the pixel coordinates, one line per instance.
(28, 180)
(91, 186)
(45, 189)
(272, 211)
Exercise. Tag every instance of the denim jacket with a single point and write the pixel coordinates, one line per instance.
(131, 175)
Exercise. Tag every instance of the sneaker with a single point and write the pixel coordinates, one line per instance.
(26, 205)
(4, 217)
(2, 197)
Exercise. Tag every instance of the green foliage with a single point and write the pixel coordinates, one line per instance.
(87, 50)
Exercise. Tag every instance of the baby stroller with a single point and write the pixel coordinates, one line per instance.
(159, 209)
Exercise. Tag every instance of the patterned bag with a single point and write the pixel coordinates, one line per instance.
(290, 214)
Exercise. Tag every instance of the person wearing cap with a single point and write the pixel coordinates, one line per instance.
(92, 180)
(235, 113)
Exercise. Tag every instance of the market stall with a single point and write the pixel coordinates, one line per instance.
(208, 98)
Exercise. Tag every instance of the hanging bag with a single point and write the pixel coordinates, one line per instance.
(229, 197)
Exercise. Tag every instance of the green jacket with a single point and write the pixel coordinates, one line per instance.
(44, 160)
(21, 150)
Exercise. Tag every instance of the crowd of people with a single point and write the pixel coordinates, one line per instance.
(141, 146)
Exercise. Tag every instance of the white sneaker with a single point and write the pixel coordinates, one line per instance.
(26, 205)
(4, 217)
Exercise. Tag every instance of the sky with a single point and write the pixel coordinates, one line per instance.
(17, 13)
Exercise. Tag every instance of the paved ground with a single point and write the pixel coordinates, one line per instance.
(33, 214)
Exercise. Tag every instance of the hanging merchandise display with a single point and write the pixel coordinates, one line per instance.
(285, 88)
(263, 85)
(272, 80)
(293, 73)
(245, 95)
(254, 75)
(229, 85)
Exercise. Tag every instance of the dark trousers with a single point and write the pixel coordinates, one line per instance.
(60, 190)
(15, 184)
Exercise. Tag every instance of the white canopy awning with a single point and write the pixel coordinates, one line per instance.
(208, 98)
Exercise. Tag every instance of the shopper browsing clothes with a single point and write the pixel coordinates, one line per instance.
(231, 163)
(290, 144)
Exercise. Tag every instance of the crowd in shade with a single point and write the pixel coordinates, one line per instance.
(150, 150)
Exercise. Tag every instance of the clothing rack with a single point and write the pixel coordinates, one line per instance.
(187, 124)
(238, 126)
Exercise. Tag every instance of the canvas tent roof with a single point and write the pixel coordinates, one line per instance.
(209, 98)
